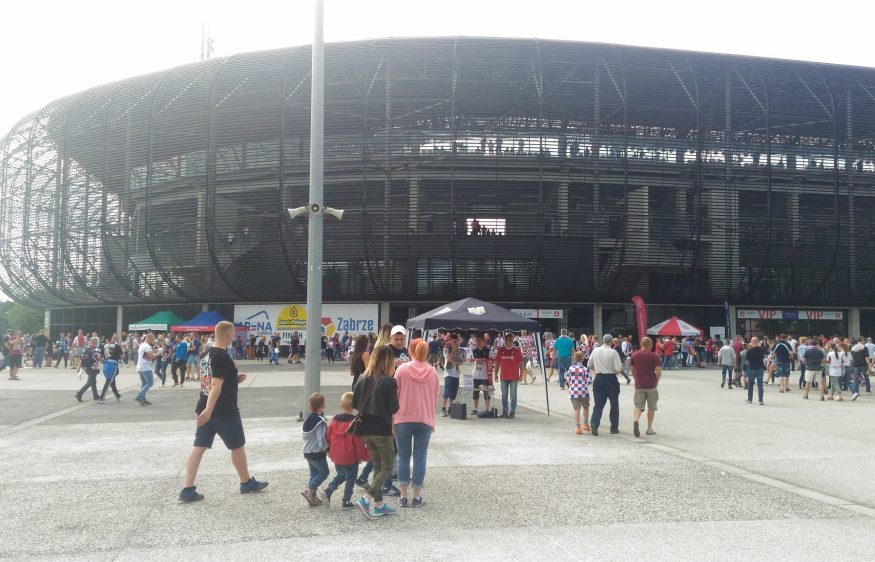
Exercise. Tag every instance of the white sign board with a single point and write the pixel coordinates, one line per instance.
(286, 319)
(538, 313)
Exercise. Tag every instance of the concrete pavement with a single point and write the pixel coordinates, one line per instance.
(722, 480)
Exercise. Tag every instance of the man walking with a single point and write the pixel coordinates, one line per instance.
(112, 354)
(647, 370)
(726, 357)
(39, 343)
(509, 360)
(564, 347)
(755, 358)
(606, 364)
(218, 414)
(144, 368)
(90, 361)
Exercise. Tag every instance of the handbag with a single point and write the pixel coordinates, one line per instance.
(355, 426)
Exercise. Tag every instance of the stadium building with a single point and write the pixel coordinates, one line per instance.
(560, 178)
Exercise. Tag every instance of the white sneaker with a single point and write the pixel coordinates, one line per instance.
(855, 396)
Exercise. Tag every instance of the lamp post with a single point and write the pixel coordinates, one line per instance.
(314, 211)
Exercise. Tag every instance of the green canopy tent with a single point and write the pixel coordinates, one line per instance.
(160, 321)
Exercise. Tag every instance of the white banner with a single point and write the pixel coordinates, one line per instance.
(820, 315)
(286, 319)
(538, 312)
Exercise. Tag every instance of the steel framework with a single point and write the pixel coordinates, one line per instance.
(600, 171)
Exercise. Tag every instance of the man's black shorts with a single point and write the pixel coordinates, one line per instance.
(229, 428)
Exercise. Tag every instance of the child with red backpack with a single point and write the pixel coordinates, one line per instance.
(346, 452)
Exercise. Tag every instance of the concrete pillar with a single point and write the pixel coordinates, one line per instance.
(413, 196)
(47, 321)
(732, 330)
(854, 322)
(384, 313)
(205, 307)
(793, 211)
(597, 320)
(119, 315)
(562, 204)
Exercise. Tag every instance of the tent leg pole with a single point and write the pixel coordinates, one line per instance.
(543, 370)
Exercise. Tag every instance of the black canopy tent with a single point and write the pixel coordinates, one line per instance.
(474, 315)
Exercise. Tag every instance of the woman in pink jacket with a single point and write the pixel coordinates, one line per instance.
(418, 391)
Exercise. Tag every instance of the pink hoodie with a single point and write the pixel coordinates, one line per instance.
(418, 388)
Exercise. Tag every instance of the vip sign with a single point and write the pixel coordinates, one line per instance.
(820, 315)
(769, 314)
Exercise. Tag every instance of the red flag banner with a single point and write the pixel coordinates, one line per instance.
(640, 317)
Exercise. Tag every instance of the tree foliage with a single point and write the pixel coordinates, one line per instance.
(19, 317)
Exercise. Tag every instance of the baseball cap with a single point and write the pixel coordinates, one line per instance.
(607, 337)
(398, 330)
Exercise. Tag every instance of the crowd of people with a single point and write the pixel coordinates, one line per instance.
(388, 416)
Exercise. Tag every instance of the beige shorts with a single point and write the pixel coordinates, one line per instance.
(812, 375)
(649, 396)
(578, 403)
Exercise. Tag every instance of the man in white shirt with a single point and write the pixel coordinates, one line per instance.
(605, 362)
(726, 357)
(144, 367)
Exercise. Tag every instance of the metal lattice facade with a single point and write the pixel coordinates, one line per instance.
(602, 171)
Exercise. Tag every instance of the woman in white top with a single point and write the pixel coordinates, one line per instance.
(835, 359)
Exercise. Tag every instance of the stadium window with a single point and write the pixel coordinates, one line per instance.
(486, 226)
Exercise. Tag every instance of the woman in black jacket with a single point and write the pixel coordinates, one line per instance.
(376, 398)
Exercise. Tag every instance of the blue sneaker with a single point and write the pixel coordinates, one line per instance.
(188, 495)
(384, 510)
(417, 502)
(364, 506)
(253, 486)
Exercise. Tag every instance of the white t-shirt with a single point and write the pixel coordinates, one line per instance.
(835, 361)
(143, 362)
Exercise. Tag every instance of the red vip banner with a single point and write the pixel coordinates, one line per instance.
(641, 317)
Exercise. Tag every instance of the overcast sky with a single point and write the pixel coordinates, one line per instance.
(49, 49)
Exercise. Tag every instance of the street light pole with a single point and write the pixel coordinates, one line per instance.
(312, 382)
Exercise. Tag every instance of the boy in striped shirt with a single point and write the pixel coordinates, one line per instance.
(579, 379)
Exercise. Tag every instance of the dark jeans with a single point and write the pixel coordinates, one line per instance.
(564, 364)
(91, 383)
(727, 371)
(801, 375)
(318, 471)
(346, 475)
(846, 378)
(606, 387)
(110, 383)
(754, 375)
(860, 374)
(178, 369)
(383, 455)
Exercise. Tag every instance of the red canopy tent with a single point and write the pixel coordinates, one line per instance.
(674, 326)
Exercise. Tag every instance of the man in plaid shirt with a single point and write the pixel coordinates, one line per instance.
(578, 378)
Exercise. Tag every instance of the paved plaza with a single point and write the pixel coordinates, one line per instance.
(722, 480)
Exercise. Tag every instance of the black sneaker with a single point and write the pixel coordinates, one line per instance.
(503, 415)
(595, 430)
(402, 502)
(79, 398)
(473, 412)
(392, 491)
(615, 431)
(188, 495)
(253, 486)
(363, 484)
(511, 416)
(417, 502)
(347, 505)
(636, 429)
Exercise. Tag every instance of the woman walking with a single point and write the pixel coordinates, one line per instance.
(359, 360)
(376, 399)
(418, 390)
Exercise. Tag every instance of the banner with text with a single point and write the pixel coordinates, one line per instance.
(286, 319)
(640, 316)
